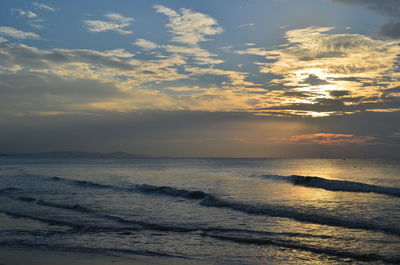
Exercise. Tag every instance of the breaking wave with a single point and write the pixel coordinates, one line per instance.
(209, 200)
(8, 190)
(247, 237)
(82, 249)
(335, 185)
(75, 207)
(133, 224)
(193, 195)
(306, 181)
(314, 249)
(44, 220)
(82, 183)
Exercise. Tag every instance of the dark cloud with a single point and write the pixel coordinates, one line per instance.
(193, 133)
(144, 132)
(394, 90)
(18, 54)
(339, 93)
(314, 80)
(297, 94)
(387, 8)
(390, 8)
(391, 30)
(30, 92)
(339, 105)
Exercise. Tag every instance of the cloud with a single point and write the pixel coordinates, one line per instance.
(317, 66)
(314, 80)
(42, 6)
(335, 106)
(33, 19)
(103, 26)
(118, 17)
(36, 23)
(387, 8)
(391, 30)
(253, 51)
(116, 22)
(189, 27)
(115, 69)
(331, 139)
(235, 78)
(390, 8)
(28, 93)
(248, 25)
(200, 55)
(145, 44)
(193, 133)
(312, 85)
(23, 13)
(17, 34)
(88, 63)
(132, 83)
(3, 39)
(118, 53)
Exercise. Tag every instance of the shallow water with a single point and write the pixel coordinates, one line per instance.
(218, 211)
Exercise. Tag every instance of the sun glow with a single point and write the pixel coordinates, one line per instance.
(318, 72)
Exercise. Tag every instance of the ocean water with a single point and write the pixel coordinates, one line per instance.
(209, 211)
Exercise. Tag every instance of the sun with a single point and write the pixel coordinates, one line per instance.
(315, 84)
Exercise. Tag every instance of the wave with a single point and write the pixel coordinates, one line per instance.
(249, 237)
(44, 220)
(287, 212)
(7, 190)
(150, 226)
(82, 249)
(335, 185)
(34, 232)
(219, 234)
(133, 224)
(75, 207)
(26, 199)
(313, 249)
(209, 200)
(263, 233)
(82, 183)
(193, 195)
(7, 168)
(141, 225)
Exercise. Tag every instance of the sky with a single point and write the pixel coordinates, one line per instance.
(190, 78)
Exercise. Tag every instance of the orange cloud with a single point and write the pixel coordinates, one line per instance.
(330, 139)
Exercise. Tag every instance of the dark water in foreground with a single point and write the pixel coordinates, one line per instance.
(218, 211)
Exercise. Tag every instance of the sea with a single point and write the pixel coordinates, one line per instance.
(205, 210)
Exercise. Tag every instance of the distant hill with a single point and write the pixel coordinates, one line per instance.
(74, 154)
